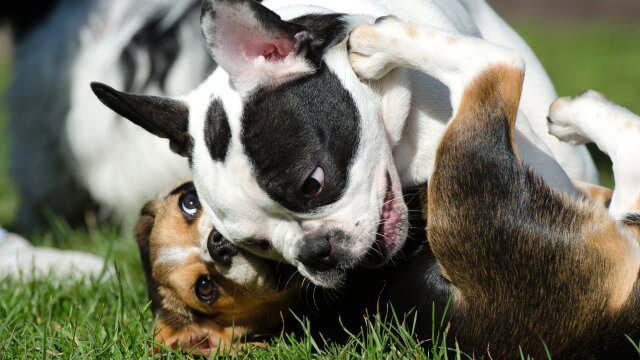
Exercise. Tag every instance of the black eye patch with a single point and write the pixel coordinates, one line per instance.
(289, 131)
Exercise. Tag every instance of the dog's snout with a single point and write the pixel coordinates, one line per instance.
(221, 250)
(316, 252)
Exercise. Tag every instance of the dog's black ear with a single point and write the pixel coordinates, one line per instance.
(143, 234)
(164, 117)
(252, 43)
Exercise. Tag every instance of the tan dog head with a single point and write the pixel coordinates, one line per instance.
(206, 298)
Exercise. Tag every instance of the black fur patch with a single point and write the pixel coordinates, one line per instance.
(217, 134)
(158, 41)
(289, 131)
(163, 117)
(327, 30)
(632, 219)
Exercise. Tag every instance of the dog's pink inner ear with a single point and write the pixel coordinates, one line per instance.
(275, 51)
(270, 49)
(244, 39)
(249, 42)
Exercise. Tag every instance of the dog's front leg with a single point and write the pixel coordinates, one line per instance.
(590, 117)
(453, 59)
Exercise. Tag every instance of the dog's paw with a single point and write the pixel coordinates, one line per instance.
(564, 120)
(373, 49)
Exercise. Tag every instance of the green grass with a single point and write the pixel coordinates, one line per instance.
(110, 318)
(8, 196)
(599, 57)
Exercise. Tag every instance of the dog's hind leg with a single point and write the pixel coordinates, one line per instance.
(591, 117)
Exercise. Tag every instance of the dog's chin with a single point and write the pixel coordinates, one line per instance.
(329, 279)
(388, 237)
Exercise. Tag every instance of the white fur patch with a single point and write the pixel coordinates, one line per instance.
(176, 254)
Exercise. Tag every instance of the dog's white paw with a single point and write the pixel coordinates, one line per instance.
(373, 48)
(564, 119)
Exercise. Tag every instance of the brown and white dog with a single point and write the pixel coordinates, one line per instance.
(529, 268)
(206, 300)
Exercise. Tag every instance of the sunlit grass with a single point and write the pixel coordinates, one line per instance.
(601, 57)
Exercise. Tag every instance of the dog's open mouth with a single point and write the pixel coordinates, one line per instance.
(389, 234)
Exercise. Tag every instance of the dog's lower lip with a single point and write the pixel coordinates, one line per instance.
(385, 235)
(387, 222)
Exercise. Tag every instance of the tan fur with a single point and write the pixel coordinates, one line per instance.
(236, 311)
(370, 33)
(496, 90)
(606, 238)
(499, 82)
(595, 193)
(618, 246)
(636, 205)
(411, 32)
(204, 338)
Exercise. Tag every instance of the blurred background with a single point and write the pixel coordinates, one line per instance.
(582, 43)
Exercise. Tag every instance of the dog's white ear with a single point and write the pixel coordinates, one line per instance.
(253, 44)
(164, 117)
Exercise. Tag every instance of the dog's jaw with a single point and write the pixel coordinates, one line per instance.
(372, 240)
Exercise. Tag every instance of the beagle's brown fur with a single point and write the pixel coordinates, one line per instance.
(176, 267)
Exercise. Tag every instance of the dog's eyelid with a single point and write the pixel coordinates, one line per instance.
(189, 205)
(206, 290)
(184, 188)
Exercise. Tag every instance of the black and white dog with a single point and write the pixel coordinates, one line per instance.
(69, 153)
(295, 157)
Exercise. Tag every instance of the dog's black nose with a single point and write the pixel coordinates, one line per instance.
(221, 250)
(316, 253)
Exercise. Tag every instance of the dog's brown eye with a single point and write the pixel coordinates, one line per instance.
(206, 290)
(189, 204)
(314, 183)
